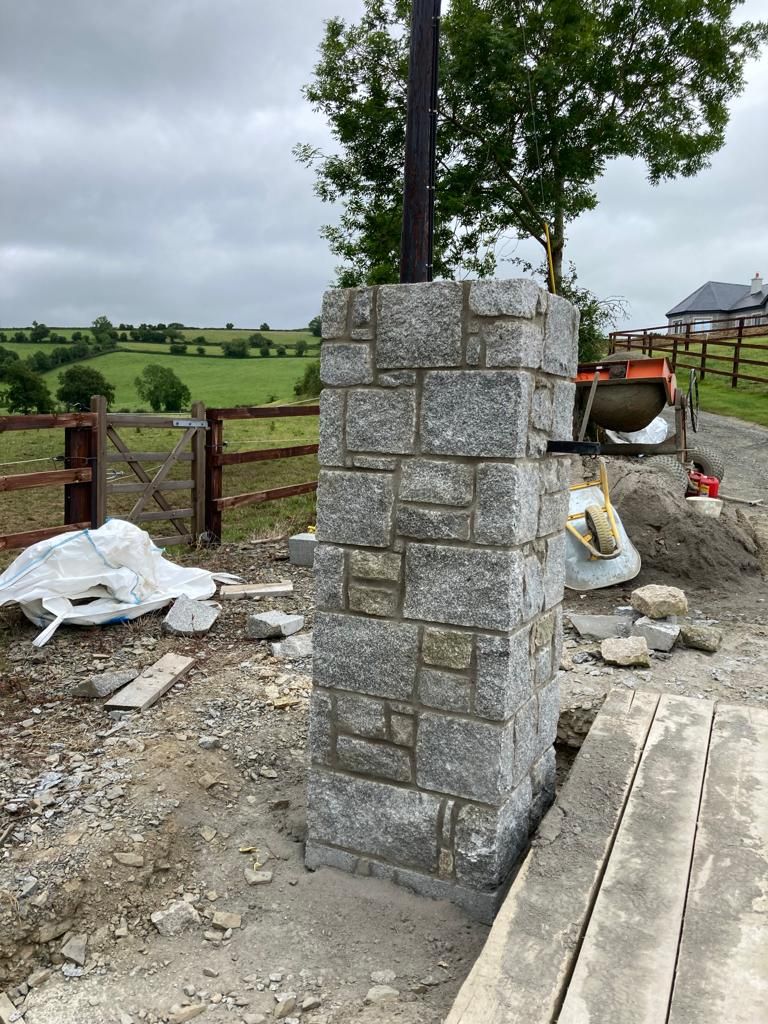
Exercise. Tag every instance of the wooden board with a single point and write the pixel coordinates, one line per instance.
(151, 684)
(10, 541)
(274, 494)
(726, 925)
(625, 968)
(8, 1011)
(233, 591)
(534, 940)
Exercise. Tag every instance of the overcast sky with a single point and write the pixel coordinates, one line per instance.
(146, 173)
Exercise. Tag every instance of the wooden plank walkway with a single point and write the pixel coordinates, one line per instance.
(644, 898)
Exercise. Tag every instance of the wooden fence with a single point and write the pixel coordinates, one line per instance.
(93, 443)
(723, 348)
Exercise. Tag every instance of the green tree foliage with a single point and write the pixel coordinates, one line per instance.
(39, 332)
(200, 350)
(79, 383)
(535, 99)
(178, 348)
(316, 327)
(301, 347)
(281, 350)
(160, 386)
(264, 350)
(598, 316)
(257, 340)
(7, 355)
(230, 326)
(264, 326)
(237, 349)
(22, 390)
(309, 384)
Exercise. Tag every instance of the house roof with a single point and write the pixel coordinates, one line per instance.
(721, 297)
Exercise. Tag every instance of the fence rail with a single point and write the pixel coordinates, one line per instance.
(94, 443)
(699, 346)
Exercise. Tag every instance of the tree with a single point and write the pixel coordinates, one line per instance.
(597, 315)
(78, 383)
(39, 332)
(7, 355)
(257, 340)
(22, 390)
(230, 327)
(301, 347)
(281, 350)
(535, 99)
(316, 327)
(200, 350)
(237, 349)
(309, 385)
(160, 386)
(178, 348)
(264, 326)
(264, 350)
(101, 325)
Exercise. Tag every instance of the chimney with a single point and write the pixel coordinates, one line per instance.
(757, 284)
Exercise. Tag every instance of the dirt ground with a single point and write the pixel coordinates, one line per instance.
(210, 782)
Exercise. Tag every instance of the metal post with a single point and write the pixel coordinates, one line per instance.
(416, 250)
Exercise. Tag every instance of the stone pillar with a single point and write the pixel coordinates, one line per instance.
(439, 581)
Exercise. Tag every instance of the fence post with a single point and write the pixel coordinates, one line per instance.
(213, 479)
(78, 498)
(703, 369)
(737, 354)
(99, 406)
(687, 336)
(674, 354)
(198, 472)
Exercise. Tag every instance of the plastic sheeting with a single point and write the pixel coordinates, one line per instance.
(95, 577)
(654, 433)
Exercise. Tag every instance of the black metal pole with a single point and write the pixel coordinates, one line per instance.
(416, 250)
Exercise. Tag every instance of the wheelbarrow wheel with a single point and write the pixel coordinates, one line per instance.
(599, 525)
(708, 461)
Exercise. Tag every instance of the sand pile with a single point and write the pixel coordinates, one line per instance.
(676, 543)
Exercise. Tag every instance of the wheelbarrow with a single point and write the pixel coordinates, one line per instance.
(598, 551)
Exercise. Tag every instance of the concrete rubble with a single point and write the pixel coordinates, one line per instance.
(266, 625)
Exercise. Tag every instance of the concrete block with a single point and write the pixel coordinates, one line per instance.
(463, 586)
(476, 413)
(301, 548)
(437, 483)
(659, 635)
(345, 363)
(381, 421)
(419, 325)
(507, 503)
(365, 655)
(355, 508)
(386, 821)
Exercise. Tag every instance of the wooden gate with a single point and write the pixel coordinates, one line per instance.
(187, 520)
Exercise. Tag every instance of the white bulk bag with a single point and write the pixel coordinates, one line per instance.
(94, 577)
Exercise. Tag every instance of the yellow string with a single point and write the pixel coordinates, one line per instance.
(550, 262)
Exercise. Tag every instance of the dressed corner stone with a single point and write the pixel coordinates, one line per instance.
(355, 508)
(507, 503)
(463, 586)
(419, 325)
(465, 758)
(362, 310)
(329, 577)
(503, 676)
(350, 812)
(364, 655)
(436, 483)
(513, 343)
(489, 841)
(476, 413)
(561, 338)
(334, 313)
(331, 447)
(518, 296)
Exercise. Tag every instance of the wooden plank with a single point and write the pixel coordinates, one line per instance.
(264, 455)
(11, 541)
(133, 419)
(8, 1012)
(236, 590)
(130, 456)
(51, 478)
(256, 497)
(44, 421)
(175, 538)
(214, 480)
(198, 471)
(156, 517)
(521, 972)
(722, 967)
(154, 484)
(79, 447)
(150, 686)
(139, 471)
(137, 488)
(261, 412)
(625, 969)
